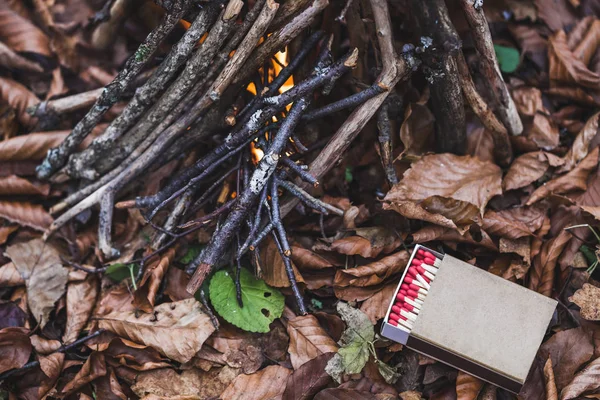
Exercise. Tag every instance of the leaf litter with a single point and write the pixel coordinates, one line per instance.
(157, 341)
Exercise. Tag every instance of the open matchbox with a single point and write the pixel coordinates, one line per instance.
(469, 318)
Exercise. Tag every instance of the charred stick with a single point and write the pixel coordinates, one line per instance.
(301, 172)
(276, 218)
(299, 146)
(482, 39)
(289, 270)
(442, 74)
(246, 131)
(261, 236)
(208, 310)
(179, 210)
(309, 200)
(385, 144)
(57, 157)
(81, 165)
(348, 102)
(264, 170)
(255, 224)
(502, 146)
(200, 202)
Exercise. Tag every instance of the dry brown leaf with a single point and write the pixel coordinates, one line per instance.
(12, 185)
(350, 394)
(308, 340)
(456, 187)
(528, 100)
(413, 211)
(21, 35)
(94, 367)
(176, 329)
(526, 169)
(467, 386)
(133, 355)
(5, 232)
(497, 224)
(568, 350)
(308, 259)
(588, 379)
(15, 348)
(556, 14)
(11, 60)
(177, 280)
(532, 44)
(144, 296)
(377, 305)
(417, 130)
(373, 273)
(10, 276)
(268, 383)
(542, 274)
(44, 346)
(574, 180)
(45, 277)
(33, 146)
(51, 366)
(309, 379)
(565, 67)
(118, 298)
(551, 392)
(544, 132)
(81, 298)
(273, 268)
(578, 32)
(580, 146)
(432, 232)
(26, 214)
(192, 384)
(19, 97)
(587, 43)
(588, 298)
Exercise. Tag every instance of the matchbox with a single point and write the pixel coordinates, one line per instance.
(466, 317)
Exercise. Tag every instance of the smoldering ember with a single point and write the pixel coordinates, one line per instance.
(299, 199)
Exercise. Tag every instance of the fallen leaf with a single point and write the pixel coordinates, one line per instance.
(528, 100)
(44, 346)
(133, 355)
(177, 280)
(525, 170)
(588, 298)
(11, 60)
(273, 268)
(176, 329)
(11, 315)
(108, 387)
(51, 366)
(94, 367)
(305, 382)
(457, 187)
(544, 132)
(576, 179)
(18, 96)
(497, 224)
(13, 185)
(5, 232)
(344, 394)
(580, 147)
(45, 277)
(584, 381)
(377, 305)
(411, 210)
(155, 270)
(541, 278)
(21, 35)
(190, 384)
(373, 273)
(565, 67)
(15, 348)
(467, 386)
(26, 214)
(118, 298)
(307, 340)
(353, 245)
(308, 259)
(268, 383)
(33, 146)
(417, 130)
(551, 392)
(261, 304)
(81, 298)
(568, 350)
(556, 14)
(10, 276)
(432, 232)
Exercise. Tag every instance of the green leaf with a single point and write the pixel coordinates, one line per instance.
(192, 252)
(390, 374)
(358, 325)
(119, 271)
(355, 343)
(508, 58)
(354, 356)
(348, 175)
(589, 254)
(262, 304)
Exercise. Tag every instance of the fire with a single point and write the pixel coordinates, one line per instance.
(257, 154)
(282, 58)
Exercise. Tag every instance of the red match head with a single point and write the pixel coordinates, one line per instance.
(427, 254)
(392, 322)
(401, 297)
(421, 270)
(412, 294)
(407, 307)
(421, 252)
(396, 309)
(408, 279)
(394, 317)
(416, 262)
(403, 291)
(405, 286)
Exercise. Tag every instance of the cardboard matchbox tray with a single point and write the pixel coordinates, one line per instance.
(477, 322)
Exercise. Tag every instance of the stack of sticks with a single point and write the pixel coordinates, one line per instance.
(413, 290)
